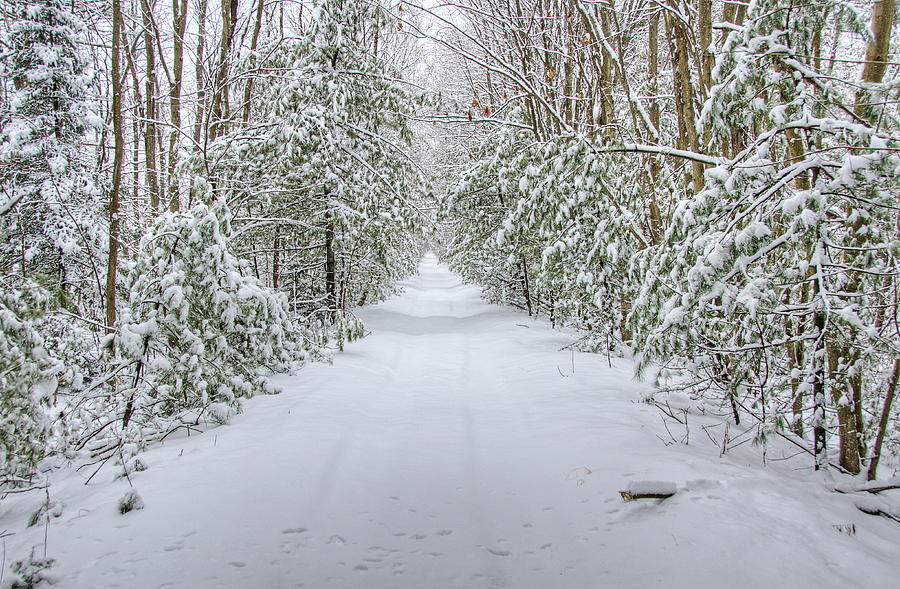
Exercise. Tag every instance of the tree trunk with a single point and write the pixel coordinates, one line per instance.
(655, 168)
(797, 358)
(137, 121)
(220, 89)
(843, 400)
(883, 422)
(179, 23)
(198, 73)
(817, 375)
(330, 283)
(119, 155)
(734, 13)
(681, 141)
(275, 260)
(150, 110)
(684, 86)
(249, 87)
(876, 58)
(527, 287)
(607, 112)
(707, 61)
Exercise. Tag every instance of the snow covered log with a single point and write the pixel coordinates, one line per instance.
(648, 490)
(873, 487)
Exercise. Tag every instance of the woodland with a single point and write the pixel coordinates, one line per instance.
(195, 195)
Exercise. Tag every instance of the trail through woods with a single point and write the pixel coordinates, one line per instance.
(458, 446)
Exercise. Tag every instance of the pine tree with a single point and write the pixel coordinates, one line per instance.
(771, 282)
(324, 152)
(28, 379)
(197, 333)
(49, 203)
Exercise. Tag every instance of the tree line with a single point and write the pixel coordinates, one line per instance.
(192, 195)
(709, 184)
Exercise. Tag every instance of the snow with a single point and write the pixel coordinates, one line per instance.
(456, 446)
(651, 488)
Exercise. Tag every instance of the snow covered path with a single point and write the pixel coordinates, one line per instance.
(456, 446)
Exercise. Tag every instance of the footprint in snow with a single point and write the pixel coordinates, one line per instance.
(293, 531)
(237, 564)
(444, 532)
(497, 552)
(335, 539)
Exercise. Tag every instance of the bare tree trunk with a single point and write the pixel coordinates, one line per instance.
(681, 141)
(734, 13)
(843, 400)
(883, 422)
(118, 157)
(876, 58)
(527, 287)
(607, 112)
(179, 22)
(150, 110)
(653, 67)
(707, 61)
(136, 120)
(797, 358)
(817, 375)
(198, 73)
(652, 78)
(330, 284)
(276, 268)
(684, 86)
(253, 41)
(220, 89)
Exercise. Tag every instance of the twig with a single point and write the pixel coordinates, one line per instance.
(124, 466)
(3, 536)
(98, 469)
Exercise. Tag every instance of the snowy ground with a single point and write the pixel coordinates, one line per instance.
(456, 446)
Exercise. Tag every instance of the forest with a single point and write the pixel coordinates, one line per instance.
(196, 195)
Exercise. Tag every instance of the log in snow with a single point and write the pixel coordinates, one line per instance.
(648, 490)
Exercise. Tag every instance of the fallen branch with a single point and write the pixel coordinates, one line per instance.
(873, 487)
(648, 490)
(872, 506)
